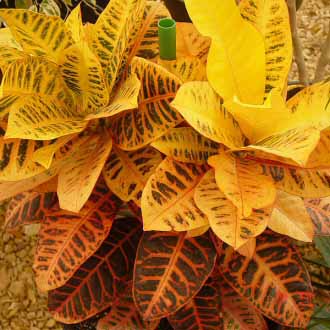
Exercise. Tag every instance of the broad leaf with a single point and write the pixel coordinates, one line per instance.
(167, 201)
(201, 107)
(320, 156)
(271, 18)
(9, 55)
(202, 312)
(275, 280)
(126, 173)
(236, 61)
(291, 218)
(66, 239)
(186, 145)
(323, 245)
(6, 104)
(238, 312)
(243, 183)
(75, 25)
(78, 176)
(111, 35)
(38, 34)
(248, 249)
(136, 128)
(98, 281)
(319, 211)
(170, 269)
(27, 208)
(224, 217)
(198, 231)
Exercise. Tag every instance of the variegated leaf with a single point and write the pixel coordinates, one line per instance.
(99, 280)
(319, 211)
(198, 231)
(78, 176)
(275, 280)
(9, 55)
(75, 25)
(38, 34)
(199, 104)
(28, 207)
(170, 269)
(67, 239)
(6, 103)
(243, 183)
(186, 145)
(168, 198)
(248, 249)
(320, 157)
(136, 128)
(126, 173)
(224, 217)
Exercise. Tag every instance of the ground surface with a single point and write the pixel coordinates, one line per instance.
(22, 307)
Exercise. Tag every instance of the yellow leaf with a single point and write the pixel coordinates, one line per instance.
(44, 156)
(126, 173)
(248, 249)
(126, 98)
(6, 104)
(78, 176)
(83, 76)
(243, 183)
(320, 157)
(38, 34)
(291, 218)
(42, 118)
(184, 144)
(199, 104)
(9, 55)
(112, 33)
(225, 219)
(136, 128)
(167, 201)
(236, 61)
(75, 25)
(295, 144)
(7, 39)
(271, 18)
(198, 231)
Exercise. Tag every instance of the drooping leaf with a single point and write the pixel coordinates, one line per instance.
(27, 208)
(271, 18)
(38, 34)
(168, 198)
(98, 281)
(67, 240)
(111, 35)
(275, 280)
(83, 75)
(291, 218)
(170, 269)
(202, 312)
(224, 217)
(126, 173)
(243, 183)
(319, 211)
(236, 61)
(136, 128)
(238, 312)
(248, 249)
(198, 231)
(186, 145)
(78, 176)
(198, 103)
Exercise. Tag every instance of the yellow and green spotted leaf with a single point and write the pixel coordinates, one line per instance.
(136, 128)
(168, 198)
(186, 145)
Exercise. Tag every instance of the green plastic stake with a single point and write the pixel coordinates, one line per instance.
(167, 39)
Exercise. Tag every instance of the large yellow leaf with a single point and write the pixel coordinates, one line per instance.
(271, 18)
(6, 103)
(199, 104)
(83, 75)
(167, 201)
(111, 35)
(186, 145)
(248, 249)
(9, 55)
(243, 183)
(291, 218)
(38, 34)
(321, 155)
(42, 118)
(224, 217)
(75, 25)
(236, 61)
(136, 128)
(77, 178)
(7, 39)
(126, 98)
(126, 173)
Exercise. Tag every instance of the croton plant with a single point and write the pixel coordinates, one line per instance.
(163, 189)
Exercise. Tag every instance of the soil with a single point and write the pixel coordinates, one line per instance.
(22, 306)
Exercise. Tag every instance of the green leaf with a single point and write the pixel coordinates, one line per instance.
(323, 245)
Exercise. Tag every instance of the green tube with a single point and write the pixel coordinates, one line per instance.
(167, 39)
